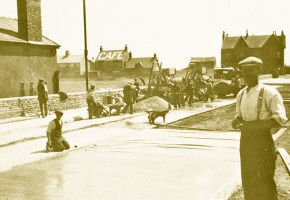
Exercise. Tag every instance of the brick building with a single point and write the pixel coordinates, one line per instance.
(25, 54)
(141, 65)
(269, 48)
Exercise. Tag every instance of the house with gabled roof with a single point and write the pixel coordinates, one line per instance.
(72, 65)
(140, 65)
(112, 61)
(25, 54)
(121, 62)
(269, 48)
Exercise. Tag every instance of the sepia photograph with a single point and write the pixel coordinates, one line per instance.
(144, 100)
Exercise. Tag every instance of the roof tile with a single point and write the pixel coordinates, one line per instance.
(9, 33)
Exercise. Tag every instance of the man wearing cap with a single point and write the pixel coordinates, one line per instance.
(90, 100)
(258, 109)
(56, 142)
(42, 97)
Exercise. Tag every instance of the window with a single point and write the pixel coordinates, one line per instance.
(278, 54)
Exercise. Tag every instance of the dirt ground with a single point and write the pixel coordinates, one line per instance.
(222, 122)
(79, 85)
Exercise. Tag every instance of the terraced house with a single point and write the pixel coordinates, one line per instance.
(73, 66)
(25, 54)
(269, 48)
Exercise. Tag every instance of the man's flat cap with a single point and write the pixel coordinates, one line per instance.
(58, 112)
(251, 61)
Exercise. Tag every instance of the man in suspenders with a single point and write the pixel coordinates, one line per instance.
(258, 109)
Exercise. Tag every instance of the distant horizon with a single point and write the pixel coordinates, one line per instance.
(176, 31)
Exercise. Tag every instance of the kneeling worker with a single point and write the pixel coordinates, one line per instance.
(56, 142)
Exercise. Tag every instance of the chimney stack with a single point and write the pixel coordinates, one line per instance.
(247, 34)
(130, 55)
(223, 35)
(101, 48)
(126, 47)
(29, 20)
(283, 38)
(67, 53)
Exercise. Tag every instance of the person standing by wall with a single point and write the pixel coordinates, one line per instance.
(90, 100)
(42, 97)
(258, 109)
(55, 82)
(55, 140)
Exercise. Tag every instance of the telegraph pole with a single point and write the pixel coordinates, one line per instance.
(86, 48)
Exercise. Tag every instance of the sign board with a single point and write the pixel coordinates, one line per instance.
(110, 55)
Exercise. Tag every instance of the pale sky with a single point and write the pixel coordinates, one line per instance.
(175, 30)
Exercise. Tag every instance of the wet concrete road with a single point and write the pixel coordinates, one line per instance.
(136, 162)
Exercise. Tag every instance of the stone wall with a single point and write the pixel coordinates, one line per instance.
(29, 105)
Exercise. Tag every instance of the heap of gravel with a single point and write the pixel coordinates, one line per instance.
(152, 103)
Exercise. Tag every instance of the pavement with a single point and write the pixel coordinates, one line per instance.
(20, 129)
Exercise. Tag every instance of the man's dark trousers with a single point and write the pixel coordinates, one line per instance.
(258, 156)
(43, 107)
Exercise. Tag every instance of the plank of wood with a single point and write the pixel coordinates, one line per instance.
(286, 158)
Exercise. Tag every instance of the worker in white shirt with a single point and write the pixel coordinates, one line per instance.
(258, 109)
(56, 142)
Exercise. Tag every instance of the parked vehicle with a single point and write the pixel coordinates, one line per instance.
(227, 81)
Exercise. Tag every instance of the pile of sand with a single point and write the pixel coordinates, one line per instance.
(152, 103)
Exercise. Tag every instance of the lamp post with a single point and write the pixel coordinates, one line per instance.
(86, 48)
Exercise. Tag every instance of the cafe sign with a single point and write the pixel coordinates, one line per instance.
(111, 55)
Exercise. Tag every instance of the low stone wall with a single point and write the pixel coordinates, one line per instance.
(29, 105)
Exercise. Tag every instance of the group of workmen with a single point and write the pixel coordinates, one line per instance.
(130, 96)
(198, 90)
(56, 141)
(259, 108)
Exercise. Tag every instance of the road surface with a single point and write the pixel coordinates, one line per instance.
(130, 160)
